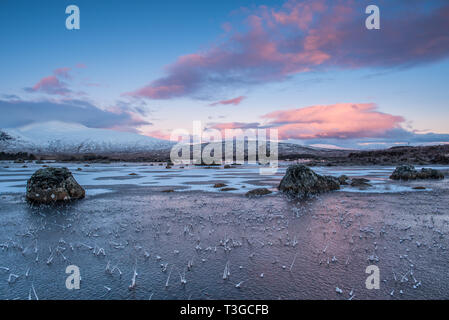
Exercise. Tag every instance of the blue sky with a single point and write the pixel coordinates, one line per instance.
(151, 67)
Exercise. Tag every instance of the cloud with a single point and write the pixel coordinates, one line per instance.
(342, 125)
(338, 121)
(234, 101)
(53, 84)
(310, 35)
(234, 125)
(19, 113)
(157, 134)
(50, 85)
(342, 120)
(10, 97)
(63, 72)
(394, 137)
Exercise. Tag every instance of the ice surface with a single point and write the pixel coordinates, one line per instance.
(98, 177)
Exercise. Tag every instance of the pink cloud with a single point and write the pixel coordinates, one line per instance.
(54, 85)
(50, 85)
(157, 134)
(159, 92)
(308, 35)
(234, 101)
(341, 121)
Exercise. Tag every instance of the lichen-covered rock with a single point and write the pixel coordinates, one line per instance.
(52, 185)
(404, 172)
(258, 192)
(408, 172)
(301, 180)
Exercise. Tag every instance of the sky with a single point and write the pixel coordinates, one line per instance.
(310, 69)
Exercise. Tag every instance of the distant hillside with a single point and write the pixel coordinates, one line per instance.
(69, 138)
(73, 142)
(403, 154)
(4, 137)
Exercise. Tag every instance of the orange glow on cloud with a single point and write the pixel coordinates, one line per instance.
(341, 120)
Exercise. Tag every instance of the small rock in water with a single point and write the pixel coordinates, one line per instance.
(360, 182)
(220, 185)
(258, 192)
(228, 189)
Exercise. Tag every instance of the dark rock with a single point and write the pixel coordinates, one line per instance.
(51, 185)
(202, 164)
(132, 174)
(228, 189)
(408, 172)
(419, 188)
(404, 172)
(219, 185)
(440, 159)
(301, 180)
(19, 161)
(427, 173)
(343, 180)
(227, 166)
(360, 182)
(168, 191)
(258, 192)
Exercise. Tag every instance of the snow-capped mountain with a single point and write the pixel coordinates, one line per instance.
(61, 137)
